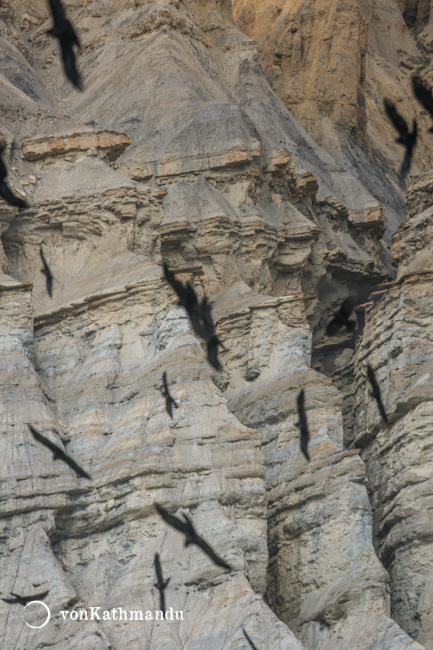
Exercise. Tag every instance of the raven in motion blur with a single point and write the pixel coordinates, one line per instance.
(199, 314)
(47, 272)
(24, 600)
(406, 138)
(169, 401)
(303, 425)
(67, 37)
(376, 393)
(191, 536)
(59, 453)
(342, 316)
(161, 585)
(424, 95)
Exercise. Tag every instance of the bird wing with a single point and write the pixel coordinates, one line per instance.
(398, 121)
(164, 381)
(11, 601)
(333, 327)
(206, 316)
(382, 409)
(59, 453)
(44, 262)
(303, 424)
(200, 542)
(7, 194)
(171, 520)
(348, 306)
(71, 462)
(248, 639)
(69, 62)
(176, 285)
(373, 380)
(158, 570)
(423, 93)
(24, 600)
(58, 12)
(212, 352)
(47, 272)
(405, 165)
(305, 438)
(45, 441)
(301, 407)
(50, 286)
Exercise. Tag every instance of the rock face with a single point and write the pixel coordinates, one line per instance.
(179, 150)
(396, 342)
(333, 61)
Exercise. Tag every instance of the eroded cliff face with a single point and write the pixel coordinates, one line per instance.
(332, 62)
(178, 149)
(397, 342)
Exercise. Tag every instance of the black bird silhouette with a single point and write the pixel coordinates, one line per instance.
(341, 317)
(59, 453)
(303, 425)
(67, 37)
(46, 271)
(191, 536)
(210, 336)
(5, 191)
(376, 393)
(200, 315)
(25, 600)
(161, 585)
(424, 95)
(249, 640)
(406, 138)
(169, 401)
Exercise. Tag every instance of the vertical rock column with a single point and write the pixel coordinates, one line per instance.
(398, 344)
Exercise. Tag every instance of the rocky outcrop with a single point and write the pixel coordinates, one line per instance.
(396, 342)
(332, 62)
(220, 181)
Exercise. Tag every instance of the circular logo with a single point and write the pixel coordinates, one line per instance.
(37, 627)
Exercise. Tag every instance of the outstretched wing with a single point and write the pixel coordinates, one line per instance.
(382, 410)
(8, 196)
(200, 542)
(171, 520)
(164, 382)
(212, 352)
(69, 62)
(158, 569)
(46, 267)
(373, 380)
(405, 165)
(303, 425)
(58, 12)
(45, 441)
(398, 121)
(176, 285)
(71, 462)
(333, 327)
(423, 93)
(348, 306)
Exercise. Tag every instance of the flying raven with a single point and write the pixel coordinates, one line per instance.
(191, 536)
(59, 453)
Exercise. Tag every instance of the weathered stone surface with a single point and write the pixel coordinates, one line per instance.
(332, 62)
(397, 342)
(223, 183)
(108, 143)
